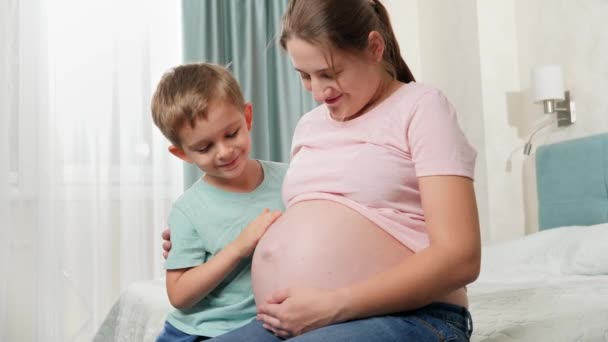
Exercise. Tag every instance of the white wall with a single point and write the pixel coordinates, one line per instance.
(405, 21)
(481, 54)
(440, 42)
(573, 34)
(502, 129)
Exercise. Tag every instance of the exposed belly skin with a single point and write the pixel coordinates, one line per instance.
(321, 243)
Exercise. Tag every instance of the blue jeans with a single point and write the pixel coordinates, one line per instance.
(434, 322)
(172, 334)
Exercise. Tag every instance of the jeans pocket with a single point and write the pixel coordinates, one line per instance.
(459, 331)
(439, 328)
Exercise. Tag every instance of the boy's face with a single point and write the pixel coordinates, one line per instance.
(220, 144)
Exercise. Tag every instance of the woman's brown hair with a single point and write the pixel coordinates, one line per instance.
(345, 25)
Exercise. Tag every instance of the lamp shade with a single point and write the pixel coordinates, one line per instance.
(548, 83)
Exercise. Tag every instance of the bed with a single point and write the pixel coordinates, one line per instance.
(547, 286)
(553, 285)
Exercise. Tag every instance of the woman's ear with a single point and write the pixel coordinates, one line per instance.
(376, 46)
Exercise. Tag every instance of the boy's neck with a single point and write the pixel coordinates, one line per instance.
(249, 180)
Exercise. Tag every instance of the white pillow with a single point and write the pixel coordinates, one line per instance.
(575, 250)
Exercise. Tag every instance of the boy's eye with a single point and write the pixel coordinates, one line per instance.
(233, 134)
(304, 76)
(204, 149)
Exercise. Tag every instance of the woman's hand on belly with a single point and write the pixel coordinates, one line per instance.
(294, 311)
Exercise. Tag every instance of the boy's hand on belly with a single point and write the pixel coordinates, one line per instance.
(292, 312)
(245, 243)
(166, 236)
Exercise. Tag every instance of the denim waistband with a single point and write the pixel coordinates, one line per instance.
(453, 314)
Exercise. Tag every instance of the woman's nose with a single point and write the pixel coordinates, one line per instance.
(320, 90)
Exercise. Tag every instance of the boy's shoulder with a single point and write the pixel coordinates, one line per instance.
(195, 196)
(273, 166)
(274, 172)
(198, 194)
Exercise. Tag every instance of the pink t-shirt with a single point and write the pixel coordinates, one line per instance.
(371, 163)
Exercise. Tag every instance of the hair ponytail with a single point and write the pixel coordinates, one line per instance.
(392, 53)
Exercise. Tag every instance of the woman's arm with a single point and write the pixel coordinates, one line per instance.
(187, 286)
(450, 262)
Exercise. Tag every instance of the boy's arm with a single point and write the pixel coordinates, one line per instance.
(187, 286)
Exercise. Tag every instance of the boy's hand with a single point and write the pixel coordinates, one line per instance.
(245, 243)
(166, 235)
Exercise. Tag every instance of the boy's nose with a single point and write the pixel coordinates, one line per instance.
(224, 151)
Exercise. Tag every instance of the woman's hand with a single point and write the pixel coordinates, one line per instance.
(292, 312)
(166, 235)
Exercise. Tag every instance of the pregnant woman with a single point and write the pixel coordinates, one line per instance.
(381, 233)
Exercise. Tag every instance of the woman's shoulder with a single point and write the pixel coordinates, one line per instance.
(313, 117)
(316, 113)
(412, 98)
(407, 100)
(414, 92)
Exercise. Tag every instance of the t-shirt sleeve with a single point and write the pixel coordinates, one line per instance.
(295, 140)
(437, 144)
(187, 248)
(300, 132)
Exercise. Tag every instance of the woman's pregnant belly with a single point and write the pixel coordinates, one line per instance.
(320, 243)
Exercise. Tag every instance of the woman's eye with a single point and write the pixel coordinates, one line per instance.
(330, 75)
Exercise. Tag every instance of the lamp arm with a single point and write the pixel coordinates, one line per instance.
(528, 146)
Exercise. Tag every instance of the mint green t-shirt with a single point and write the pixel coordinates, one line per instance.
(202, 221)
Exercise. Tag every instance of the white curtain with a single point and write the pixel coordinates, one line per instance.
(85, 177)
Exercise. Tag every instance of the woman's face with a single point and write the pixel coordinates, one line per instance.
(347, 88)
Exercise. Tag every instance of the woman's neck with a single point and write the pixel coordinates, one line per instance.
(384, 91)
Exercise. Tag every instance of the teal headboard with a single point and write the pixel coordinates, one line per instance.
(572, 182)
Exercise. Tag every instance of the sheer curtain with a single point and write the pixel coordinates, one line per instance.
(85, 178)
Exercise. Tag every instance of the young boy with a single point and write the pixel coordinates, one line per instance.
(200, 109)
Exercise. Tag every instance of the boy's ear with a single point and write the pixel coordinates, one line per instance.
(249, 114)
(376, 45)
(179, 153)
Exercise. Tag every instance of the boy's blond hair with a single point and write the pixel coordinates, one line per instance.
(185, 92)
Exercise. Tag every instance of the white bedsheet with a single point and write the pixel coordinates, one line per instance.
(556, 309)
(549, 286)
(138, 315)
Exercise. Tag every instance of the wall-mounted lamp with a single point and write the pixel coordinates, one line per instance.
(548, 86)
(548, 82)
